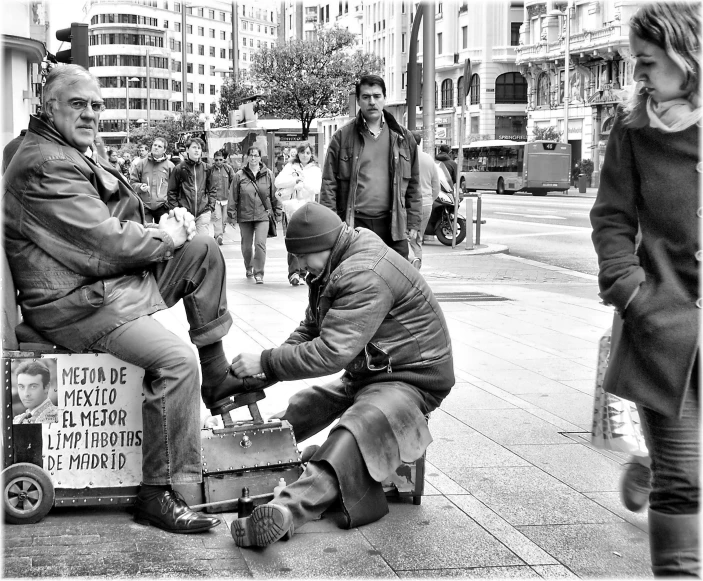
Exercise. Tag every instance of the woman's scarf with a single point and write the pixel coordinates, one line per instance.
(674, 115)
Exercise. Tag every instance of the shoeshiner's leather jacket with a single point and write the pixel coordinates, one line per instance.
(76, 242)
(371, 313)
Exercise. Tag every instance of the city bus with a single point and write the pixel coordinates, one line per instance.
(516, 166)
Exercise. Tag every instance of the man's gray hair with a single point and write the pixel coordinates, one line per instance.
(61, 77)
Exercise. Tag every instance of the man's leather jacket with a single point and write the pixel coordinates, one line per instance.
(76, 243)
(341, 171)
(372, 314)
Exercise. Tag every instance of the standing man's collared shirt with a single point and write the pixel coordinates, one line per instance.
(367, 129)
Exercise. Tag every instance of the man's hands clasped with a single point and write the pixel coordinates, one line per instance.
(179, 224)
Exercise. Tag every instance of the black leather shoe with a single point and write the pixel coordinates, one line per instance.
(214, 397)
(170, 512)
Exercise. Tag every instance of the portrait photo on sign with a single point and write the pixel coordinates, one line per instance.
(34, 391)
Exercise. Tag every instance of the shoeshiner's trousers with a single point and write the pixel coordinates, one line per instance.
(171, 408)
(336, 471)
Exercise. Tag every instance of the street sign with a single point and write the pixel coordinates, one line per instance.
(467, 76)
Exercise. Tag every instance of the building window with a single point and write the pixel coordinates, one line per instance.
(211, 31)
(213, 107)
(223, 35)
(439, 42)
(178, 26)
(251, 42)
(189, 68)
(244, 56)
(212, 51)
(460, 92)
(201, 50)
(201, 88)
(176, 86)
(212, 89)
(201, 69)
(223, 53)
(211, 14)
(223, 16)
(464, 37)
(190, 87)
(447, 94)
(212, 70)
(189, 48)
(436, 95)
(475, 89)
(165, 23)
(402, 42)
(201, 31)
(515, 33)
(511, 88)
(189, 28)
(244, 40)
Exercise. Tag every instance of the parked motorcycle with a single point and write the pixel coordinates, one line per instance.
(441, 221)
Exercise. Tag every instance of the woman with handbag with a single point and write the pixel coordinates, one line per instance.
(298, 183)
(252, 205)
(651, 178)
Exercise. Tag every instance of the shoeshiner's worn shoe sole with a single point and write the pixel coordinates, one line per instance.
(266, 525)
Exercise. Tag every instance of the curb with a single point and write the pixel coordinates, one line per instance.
(483, 249)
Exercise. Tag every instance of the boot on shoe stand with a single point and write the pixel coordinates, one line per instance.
(673, 544)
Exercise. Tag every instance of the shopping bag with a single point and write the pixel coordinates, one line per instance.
(616, 421)
(273, 232)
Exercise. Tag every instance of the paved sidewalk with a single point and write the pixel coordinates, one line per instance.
(513, 486)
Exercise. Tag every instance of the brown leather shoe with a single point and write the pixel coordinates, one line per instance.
(214, 397)
(170, 512)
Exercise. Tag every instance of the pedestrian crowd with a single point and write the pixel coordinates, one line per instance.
(354, 227)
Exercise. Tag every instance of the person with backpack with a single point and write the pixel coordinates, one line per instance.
(149, 179)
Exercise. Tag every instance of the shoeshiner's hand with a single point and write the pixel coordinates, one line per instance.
(178, 231)
(247, 364)
(412, 234)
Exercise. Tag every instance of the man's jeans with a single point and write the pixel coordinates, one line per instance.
(171, 408)
(382, 228)
(219, 218)
(254, 234)
(673, 446)
(416, 243)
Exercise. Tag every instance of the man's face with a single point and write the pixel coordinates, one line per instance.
(113, 157)
(127, 157)
(219, 161)
(371, 102)
(315, 262)
(32, 390)
(194, 151)
(142, 150)
(72, 112)
(157, 149)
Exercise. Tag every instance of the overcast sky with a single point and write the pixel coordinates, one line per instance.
(61, 14)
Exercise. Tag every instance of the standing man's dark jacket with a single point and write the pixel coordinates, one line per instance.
(190, 187)
(449, 163)
(67, 224)
(340, 175)
(222, 178)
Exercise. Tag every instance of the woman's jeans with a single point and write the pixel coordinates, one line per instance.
(673, 446)
(254, 235)
(171, 407)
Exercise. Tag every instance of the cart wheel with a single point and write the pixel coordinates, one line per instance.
(417, 500)
(28, 493)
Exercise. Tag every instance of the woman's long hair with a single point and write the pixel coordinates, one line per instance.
(675, 27)
(302, 146)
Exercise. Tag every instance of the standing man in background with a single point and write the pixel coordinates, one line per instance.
(221, 176)
(371, 173)
(142, 151)
(149, 178)
(429, 186)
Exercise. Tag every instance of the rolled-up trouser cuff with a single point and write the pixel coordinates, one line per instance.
(212, 332)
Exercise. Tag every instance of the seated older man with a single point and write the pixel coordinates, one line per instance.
(90, 272)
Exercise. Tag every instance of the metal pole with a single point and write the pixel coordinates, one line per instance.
(126, 88)
(411, 90)
(235, 41)
(460, 159)
(148, 91)
(428, 80)
(478, 219)
(469, 224)
(567, 59)
(184, 66)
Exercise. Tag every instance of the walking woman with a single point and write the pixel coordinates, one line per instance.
(299, 182)
(251, 201)
(650, 178)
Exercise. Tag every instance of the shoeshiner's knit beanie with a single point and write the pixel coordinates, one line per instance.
(312, 228)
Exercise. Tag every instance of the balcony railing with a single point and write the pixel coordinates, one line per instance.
(503, 53)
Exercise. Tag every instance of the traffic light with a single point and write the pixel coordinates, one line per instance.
(77, 35)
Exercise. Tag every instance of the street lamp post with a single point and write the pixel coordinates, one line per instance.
(184, 65)
(127, 82)
(567, 60)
